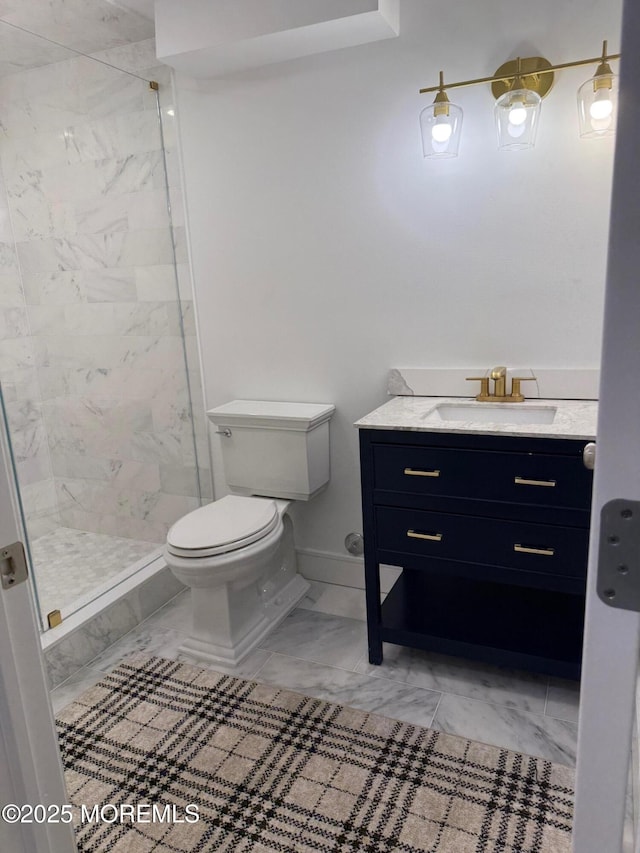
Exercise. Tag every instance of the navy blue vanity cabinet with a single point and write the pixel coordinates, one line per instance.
(491, 533)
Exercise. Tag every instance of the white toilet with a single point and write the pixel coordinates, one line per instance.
(237, 554)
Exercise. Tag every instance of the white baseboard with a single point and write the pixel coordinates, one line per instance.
(345, 571)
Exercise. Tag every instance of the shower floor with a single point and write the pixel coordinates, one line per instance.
(70, 565)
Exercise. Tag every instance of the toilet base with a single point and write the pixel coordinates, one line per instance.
(273, 612)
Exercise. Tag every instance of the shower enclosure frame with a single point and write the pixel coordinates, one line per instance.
(30, 764)
(185, 383)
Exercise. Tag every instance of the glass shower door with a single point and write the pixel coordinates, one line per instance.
(22, 520)
(96, 324)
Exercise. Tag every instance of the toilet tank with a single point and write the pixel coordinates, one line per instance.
(275, 449)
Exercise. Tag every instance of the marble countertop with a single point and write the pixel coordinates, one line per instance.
(572, 418)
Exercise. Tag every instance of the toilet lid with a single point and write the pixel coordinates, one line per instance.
(222, 526)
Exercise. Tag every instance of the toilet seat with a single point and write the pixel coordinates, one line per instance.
(225, 525)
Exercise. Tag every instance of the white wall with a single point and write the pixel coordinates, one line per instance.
(325, 250)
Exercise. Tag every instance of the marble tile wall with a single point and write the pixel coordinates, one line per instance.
(107, 422)
(19, 379)
(77, 24)
(66, 651)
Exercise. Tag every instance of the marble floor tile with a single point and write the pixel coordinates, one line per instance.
(324, 655)
(334, 640)
(398, 701)
(165, 643)
(245, 669)
(510, 728)
(71, 564)
(73, 687)
(563, 699)
(447, 674)
(335, 600)
(175, 614)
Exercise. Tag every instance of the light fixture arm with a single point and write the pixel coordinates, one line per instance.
(502, 78)
(603, 70)
(517, 80)
(441, 100)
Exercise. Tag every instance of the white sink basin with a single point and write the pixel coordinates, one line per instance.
(495, 413)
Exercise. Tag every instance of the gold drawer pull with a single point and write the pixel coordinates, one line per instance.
(545, 552)
(434, 537)
(522, 481)
(414, 472)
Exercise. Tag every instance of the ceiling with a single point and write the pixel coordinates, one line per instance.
(142, 7)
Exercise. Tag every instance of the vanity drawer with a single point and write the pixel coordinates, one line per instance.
(517, 545)
(523, 478)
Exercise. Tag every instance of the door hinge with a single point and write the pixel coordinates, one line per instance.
(619, 554)
(13, 565)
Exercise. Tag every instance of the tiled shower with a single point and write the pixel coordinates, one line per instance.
(98, 358)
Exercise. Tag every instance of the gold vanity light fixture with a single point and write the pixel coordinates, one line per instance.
(517, 110)
(598, 100)
(441, 125)
(519, 86)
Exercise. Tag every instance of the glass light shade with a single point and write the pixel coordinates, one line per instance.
(517, 113)
(441, 126)
(598, 106)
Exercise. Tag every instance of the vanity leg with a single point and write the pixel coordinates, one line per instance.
(371, 566)
(374, 615)
(375, 650)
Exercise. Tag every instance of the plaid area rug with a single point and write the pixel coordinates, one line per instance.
(157, 744)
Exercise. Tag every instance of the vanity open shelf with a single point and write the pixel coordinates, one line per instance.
(491, 532)
(496, 623)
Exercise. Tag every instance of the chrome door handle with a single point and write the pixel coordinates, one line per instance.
(589, 455)
(415, 472)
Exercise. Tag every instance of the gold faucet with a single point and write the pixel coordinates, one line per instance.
(499, 377)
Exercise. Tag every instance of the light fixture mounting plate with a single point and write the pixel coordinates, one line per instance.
(530, 67)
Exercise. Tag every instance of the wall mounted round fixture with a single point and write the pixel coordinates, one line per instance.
(519, 86)
(519, 101)
(535, 73)
(354, 543)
